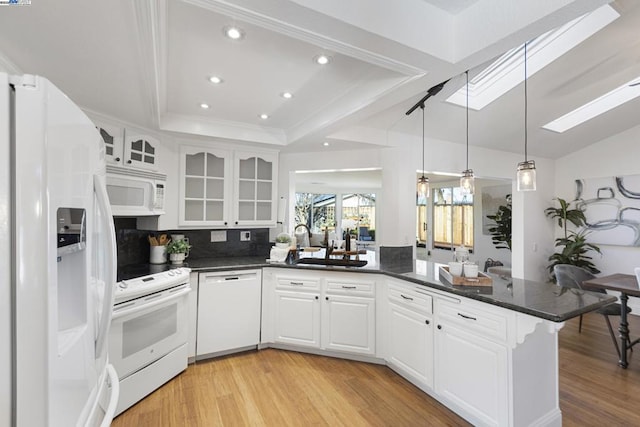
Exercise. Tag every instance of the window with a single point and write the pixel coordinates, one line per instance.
(361, 208)
(452, 218)
(317, 211)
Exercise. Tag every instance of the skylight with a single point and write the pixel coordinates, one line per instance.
(606, 102)
(508, 71)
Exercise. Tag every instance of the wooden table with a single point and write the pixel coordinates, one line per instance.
(626, 284)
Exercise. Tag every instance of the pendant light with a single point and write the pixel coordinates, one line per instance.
(423, 181)
(526, 174)
(467, 180)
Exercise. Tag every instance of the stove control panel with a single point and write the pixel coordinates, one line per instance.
(145, 285)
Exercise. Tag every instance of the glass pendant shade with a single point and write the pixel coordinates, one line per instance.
(526, 176)
(467, 182)
(423, 187)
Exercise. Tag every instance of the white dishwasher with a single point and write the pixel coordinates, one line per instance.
(229, 305)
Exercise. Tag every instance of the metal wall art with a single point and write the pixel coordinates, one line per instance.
(612, 209)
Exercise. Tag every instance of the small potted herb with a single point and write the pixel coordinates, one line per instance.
(178, 250)
(283, 240)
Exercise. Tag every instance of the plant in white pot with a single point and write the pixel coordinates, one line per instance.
(178, 250)
(283, 240)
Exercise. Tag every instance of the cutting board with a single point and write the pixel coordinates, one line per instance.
(482, 279)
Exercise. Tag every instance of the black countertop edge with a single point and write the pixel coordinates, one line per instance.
(237, 263)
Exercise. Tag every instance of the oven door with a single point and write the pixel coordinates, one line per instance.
(148, 328)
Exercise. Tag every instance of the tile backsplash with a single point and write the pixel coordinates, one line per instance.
(133, 244)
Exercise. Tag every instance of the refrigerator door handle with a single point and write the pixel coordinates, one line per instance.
(102, 198)
(113, 398)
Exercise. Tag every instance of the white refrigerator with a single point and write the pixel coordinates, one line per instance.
(57, 262)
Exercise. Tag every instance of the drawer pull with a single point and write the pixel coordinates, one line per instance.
(232, 278)
(297, 283)
(426, 321)
(348, 287)
(466, 317)
(406, 297)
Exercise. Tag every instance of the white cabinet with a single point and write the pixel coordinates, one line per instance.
(348, 314)
(255, 186)
(296, 309)
(193, 316)
(141, 151)
(220, 187)
(205, 186)
(228, 311)
(472, 362)
(297, 318)
(328, 311)
(409, 333)
(129, 149)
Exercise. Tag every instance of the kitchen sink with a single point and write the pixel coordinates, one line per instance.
(340, 262)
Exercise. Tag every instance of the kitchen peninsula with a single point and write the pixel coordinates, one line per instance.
(488, 354)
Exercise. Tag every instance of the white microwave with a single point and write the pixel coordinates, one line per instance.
(134, 192)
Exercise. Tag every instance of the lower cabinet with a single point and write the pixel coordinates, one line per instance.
(472, 374)
(297, 318)
(348, 324)
(228, 311)
(410, 344)
(335, 312)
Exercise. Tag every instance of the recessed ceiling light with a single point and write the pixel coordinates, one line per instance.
(601, 105)
(234, 33)
(204, 106)
(287, 95)
(215, 80)
(264, 116)
(326, 144)
(322, 59)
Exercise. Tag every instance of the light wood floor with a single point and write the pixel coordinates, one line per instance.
(279, 388)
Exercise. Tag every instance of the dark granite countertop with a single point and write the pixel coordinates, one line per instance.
(544, 300)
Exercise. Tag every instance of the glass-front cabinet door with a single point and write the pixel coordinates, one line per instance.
(205, 186)
(141, 151)
(255, 182)
(113, 138)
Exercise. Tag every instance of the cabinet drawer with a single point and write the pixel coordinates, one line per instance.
(490, 324)
(346, 287)
(297, 283)
(411, 298)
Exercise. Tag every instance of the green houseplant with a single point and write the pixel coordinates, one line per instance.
(573, 246)
(178, 250)
(283, 240)
(501, 231)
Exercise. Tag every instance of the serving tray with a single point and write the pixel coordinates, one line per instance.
(482, 279)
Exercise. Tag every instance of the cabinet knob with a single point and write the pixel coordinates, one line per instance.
(439, 326)
(236, 222)
(225, 223)
(117, 159)
(327, 298)
(426, 321)
(317, 297)
(129, 162)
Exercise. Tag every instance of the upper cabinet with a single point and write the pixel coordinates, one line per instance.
(129, 149)
(255, 187)
(205, 186)
(141, 151)
(227, 188)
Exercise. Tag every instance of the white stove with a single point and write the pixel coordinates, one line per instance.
(145, 285)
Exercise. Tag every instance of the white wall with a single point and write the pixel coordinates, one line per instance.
(396, 213)
(614, 156)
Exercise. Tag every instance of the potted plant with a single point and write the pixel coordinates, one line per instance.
(574, 249)
(178, 250)
(283, 240)
(501, 231)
